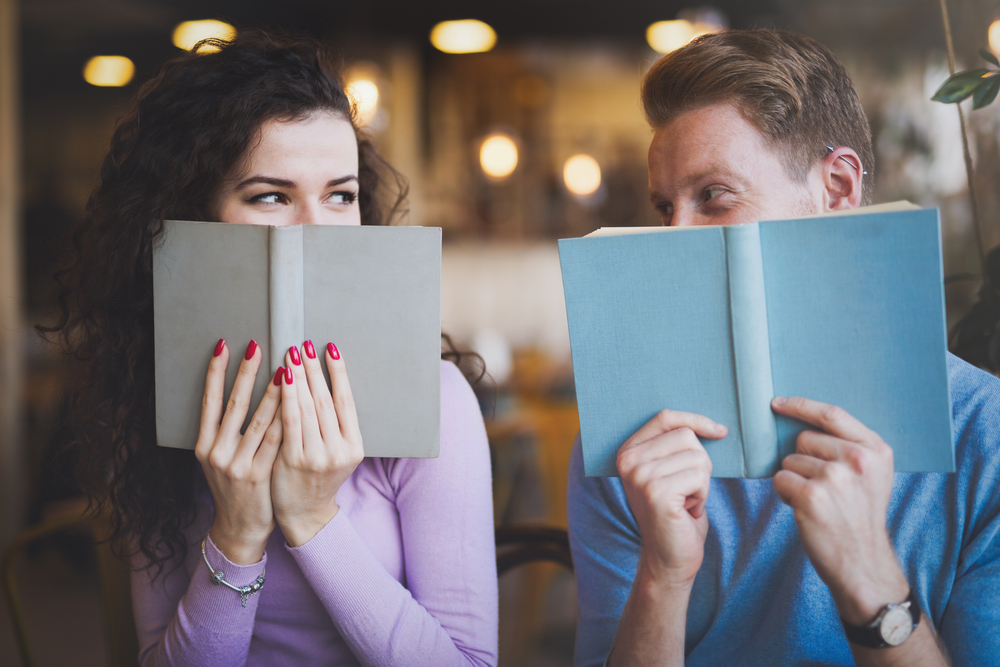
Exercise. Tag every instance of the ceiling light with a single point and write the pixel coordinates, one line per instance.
(498, 156)
(667, 36)
(469, 36)
(189, 33)
(108, 71)
(582, 175)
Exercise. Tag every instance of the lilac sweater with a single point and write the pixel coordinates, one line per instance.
(405, 574)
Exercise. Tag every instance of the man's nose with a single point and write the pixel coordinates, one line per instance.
(683, 216)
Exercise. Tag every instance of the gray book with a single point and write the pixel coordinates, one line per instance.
(375, 292)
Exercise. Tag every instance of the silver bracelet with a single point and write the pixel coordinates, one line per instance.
(219, 577)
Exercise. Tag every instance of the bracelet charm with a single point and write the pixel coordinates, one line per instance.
(219, 577)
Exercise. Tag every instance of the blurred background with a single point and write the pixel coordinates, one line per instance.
(514, 130)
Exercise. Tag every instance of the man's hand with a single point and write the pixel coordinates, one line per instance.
(665, 473)
(839, 482)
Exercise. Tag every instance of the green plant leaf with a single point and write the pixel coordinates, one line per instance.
(986, 93)
(959, 86)
(989, 57)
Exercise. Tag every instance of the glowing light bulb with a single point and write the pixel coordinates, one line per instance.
(667, 36)
(994, 37)
(498, 156)
(364, 97)
(468, 36)
(108, 71)
(582, 175)
(189, 33)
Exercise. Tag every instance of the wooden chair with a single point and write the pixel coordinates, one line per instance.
(520, 544)
(113, 574)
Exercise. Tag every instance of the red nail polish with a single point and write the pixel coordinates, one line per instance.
(277, 376)
(219, 347)
(296, 359)
(251, 348)
(310, 350)
(332, 350)
(288, 375)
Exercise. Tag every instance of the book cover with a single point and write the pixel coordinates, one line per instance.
(844, 309)
(373, 291)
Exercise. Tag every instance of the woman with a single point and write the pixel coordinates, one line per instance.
(373, 561)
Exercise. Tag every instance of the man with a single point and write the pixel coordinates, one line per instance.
(674, 568)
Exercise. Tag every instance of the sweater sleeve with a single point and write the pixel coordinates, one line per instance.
(187, 620)
(447, 612)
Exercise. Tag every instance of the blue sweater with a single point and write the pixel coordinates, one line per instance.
(757, 599)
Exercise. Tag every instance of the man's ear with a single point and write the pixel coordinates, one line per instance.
(842, 173)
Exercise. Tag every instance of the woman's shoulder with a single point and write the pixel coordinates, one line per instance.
(463, 434)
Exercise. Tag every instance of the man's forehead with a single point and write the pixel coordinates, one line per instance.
(703, 141)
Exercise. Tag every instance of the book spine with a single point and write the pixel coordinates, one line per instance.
(286, 291)
(751, 350)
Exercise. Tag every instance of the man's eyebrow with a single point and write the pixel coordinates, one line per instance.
(714, 172)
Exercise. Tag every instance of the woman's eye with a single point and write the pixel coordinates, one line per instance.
(267, 198)
(345, 197)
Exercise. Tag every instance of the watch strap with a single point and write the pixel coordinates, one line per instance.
(871, 635)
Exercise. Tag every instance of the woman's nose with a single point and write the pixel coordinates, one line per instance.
(307, 214)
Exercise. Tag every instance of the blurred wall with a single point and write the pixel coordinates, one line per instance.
(513, 289)
(11, 492)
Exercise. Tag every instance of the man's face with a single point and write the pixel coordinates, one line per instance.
(711, 167)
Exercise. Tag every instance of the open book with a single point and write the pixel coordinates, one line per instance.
(847, 309)
(373, 291)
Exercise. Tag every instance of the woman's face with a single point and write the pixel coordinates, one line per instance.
(303, 172)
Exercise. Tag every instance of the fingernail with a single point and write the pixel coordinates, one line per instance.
(332, 350)
(719, 428)
(310, 350)
(779, 400)
(296, 359)
(277, 376)
(251, 348)
(288, 375)
(219, 347)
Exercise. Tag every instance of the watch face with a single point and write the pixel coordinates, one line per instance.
(897, 624)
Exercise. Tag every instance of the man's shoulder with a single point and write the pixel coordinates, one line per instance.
(975, 400)
(590, 498)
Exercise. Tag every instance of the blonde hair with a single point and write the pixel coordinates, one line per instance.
(790, 87)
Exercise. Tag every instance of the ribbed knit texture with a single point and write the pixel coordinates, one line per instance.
(405, 574)
(757, 599)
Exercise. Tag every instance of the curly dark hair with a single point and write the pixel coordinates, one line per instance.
(186, 131)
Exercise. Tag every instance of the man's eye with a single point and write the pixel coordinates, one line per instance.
(664, 209)
(712, 193)
(267, 198)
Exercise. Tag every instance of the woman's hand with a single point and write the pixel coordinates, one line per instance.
(238, 468)
(321, 446)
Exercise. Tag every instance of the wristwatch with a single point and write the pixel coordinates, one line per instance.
(893, 625)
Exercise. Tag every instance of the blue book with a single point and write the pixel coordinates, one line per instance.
(844, 309)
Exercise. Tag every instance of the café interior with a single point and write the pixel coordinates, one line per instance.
(516, 124)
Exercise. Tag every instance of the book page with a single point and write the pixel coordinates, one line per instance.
(901, 205)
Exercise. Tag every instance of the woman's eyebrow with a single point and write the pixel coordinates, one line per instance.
(342, 179)
(280, 182)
